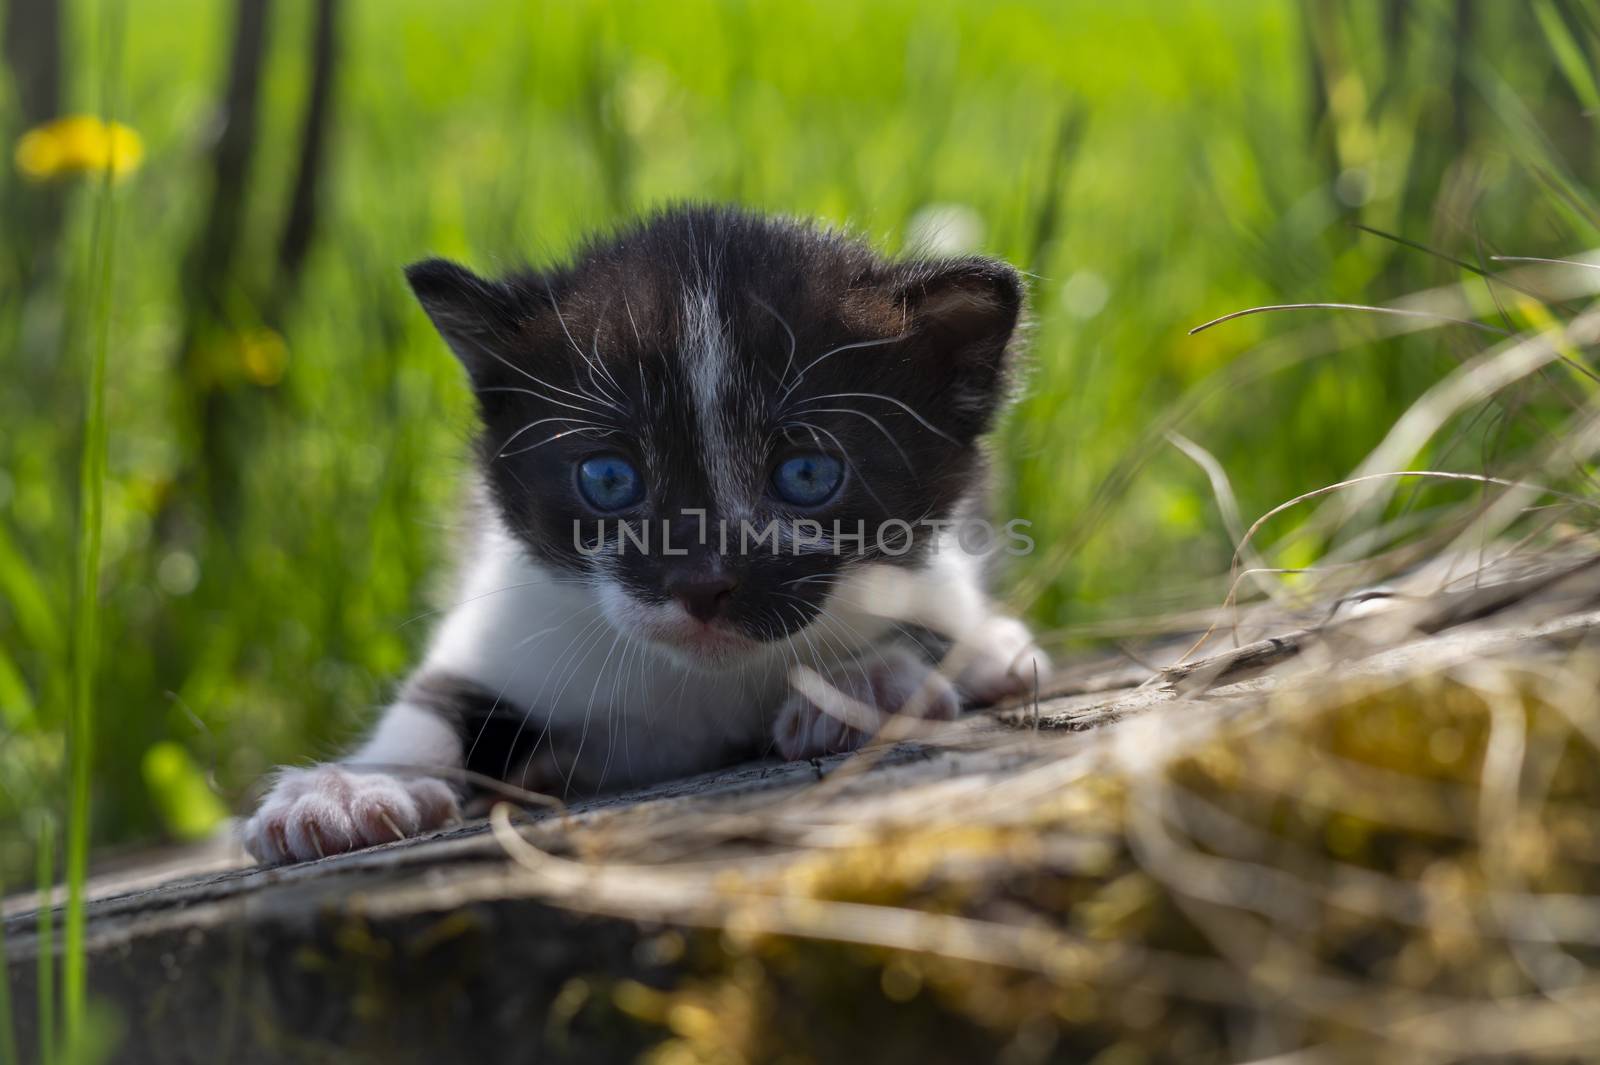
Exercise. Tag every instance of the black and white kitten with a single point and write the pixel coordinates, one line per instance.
(725, 462)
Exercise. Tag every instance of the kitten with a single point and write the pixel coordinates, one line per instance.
(728, 463)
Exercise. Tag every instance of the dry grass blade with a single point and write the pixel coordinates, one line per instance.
(1537, 259)
(1402, 312)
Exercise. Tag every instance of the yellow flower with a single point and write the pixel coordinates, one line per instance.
(264, 356)
(78, 144)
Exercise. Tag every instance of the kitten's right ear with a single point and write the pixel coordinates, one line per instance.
(476, 316)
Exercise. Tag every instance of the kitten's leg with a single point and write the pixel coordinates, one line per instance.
(330, 809)
(989, 656)
(997, 659)
(845, 709)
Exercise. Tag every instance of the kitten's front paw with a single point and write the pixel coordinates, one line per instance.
(841, 715)
(997, 660)
(311, 813)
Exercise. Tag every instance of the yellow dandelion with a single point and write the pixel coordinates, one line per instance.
(264, 356)
(78, 144)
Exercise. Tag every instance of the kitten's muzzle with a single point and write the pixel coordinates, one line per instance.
(704, 598)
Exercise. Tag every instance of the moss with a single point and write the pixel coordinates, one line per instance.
(1327, 871)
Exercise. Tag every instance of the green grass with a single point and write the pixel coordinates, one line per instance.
(279, 493)
(91, 516)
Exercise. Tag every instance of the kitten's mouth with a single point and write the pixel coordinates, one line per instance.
(710, 643)
(714, 644)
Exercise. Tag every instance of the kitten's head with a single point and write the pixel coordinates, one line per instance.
(712, 385)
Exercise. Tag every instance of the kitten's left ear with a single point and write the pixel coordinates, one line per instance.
(964, 312)
(476, 316)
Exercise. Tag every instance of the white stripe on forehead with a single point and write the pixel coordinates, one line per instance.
(709, 361)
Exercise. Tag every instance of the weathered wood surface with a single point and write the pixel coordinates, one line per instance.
(438, 948)
(445, 948)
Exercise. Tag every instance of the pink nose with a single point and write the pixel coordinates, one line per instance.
(703, 597)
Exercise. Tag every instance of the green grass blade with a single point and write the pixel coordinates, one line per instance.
(91, 508)
(46, 977)
(17, 710)
(26, 595)
(85, 638)
(1568, 54)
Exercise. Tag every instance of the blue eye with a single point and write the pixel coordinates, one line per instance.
(807, 480)
(610, 483)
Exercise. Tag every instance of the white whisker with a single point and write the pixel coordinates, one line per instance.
(545, 398)
(895, 443)
(545, 421)
(602, 430)
(887, 399)
(789, 389)
(793, 344)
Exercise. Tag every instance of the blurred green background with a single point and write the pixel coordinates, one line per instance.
(287, 435)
